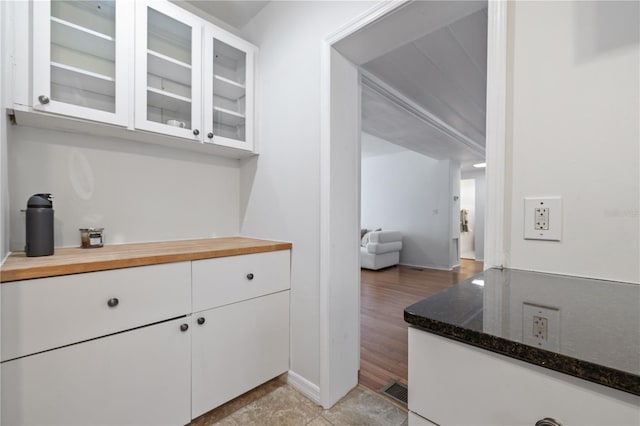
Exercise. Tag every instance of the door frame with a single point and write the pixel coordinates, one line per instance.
(337, 352)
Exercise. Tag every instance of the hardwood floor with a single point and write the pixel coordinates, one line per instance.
(383, 333)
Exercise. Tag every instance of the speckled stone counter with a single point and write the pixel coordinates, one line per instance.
(592, 330)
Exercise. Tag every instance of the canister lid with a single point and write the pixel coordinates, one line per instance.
(40, 200)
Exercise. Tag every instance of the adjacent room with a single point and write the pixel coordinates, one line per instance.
(423, 133)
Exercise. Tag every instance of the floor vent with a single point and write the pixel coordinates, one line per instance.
(397, 391)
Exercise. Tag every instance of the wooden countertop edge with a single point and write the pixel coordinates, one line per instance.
(45, 271)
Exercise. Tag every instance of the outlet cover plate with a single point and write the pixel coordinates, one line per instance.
(552, 316)
(554, 225)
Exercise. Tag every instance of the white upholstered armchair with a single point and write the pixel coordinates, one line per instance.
(380, 249)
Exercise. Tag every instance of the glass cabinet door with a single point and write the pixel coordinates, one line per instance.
(229, 90)
(168, 71)
(80, 62)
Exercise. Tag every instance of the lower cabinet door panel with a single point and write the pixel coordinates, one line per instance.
(140, 377)
(452, 383)
(237, 348)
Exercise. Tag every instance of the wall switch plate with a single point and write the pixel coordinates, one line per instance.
(541, 326)
(543, 218)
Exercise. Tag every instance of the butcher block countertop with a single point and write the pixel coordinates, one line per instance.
(76, 260)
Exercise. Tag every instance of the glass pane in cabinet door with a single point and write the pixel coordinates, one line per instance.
(83, 49)
(229, 73)
(168, 70)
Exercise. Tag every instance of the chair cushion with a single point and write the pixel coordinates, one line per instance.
(385, 236)
(379, 248)
(364, 239)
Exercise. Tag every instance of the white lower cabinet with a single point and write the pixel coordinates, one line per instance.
(132, 378)
(452, 383)
(123, 347)
(237, 347)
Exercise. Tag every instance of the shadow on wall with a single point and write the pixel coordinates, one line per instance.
(603, 26)
(248, 169)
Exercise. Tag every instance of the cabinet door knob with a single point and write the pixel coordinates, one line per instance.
(249, 277)
(210, 135)
(201, 320)
(113, 302)
(548, 421)
(184, 327)
(196, 132)
(43, 99)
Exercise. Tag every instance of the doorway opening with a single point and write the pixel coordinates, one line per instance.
(423, 125)
(348, 50)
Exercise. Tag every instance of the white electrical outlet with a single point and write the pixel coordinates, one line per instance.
(541, 326)
(540, 329)
(543, 218)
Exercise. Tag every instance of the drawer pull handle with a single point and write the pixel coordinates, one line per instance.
(184, 327)
(548, 421)
(113, 302)
(201, 320)
(249, 277)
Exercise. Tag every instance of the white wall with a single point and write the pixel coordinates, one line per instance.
(574, 133)
(4, 122)
(137, 192)
(339, 244)
(409, 192)
(280, 195)
(4, 206)
(480, 197)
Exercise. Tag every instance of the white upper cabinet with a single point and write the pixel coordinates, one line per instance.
(81, 59)
(147, 66)
(168, 70)
(228, 88)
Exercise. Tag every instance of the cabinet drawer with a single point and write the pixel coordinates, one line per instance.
(46, 313)
(225, 280)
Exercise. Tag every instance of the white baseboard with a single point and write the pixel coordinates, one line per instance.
(304, 386)
(440, 268)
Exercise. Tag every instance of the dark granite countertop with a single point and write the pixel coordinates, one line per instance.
(592, 326)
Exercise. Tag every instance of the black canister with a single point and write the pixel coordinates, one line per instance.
(39, 226)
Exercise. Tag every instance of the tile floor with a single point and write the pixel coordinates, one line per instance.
(277, 403)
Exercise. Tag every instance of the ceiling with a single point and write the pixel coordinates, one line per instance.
(236, 13)
(442, 73)
(390, 121)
